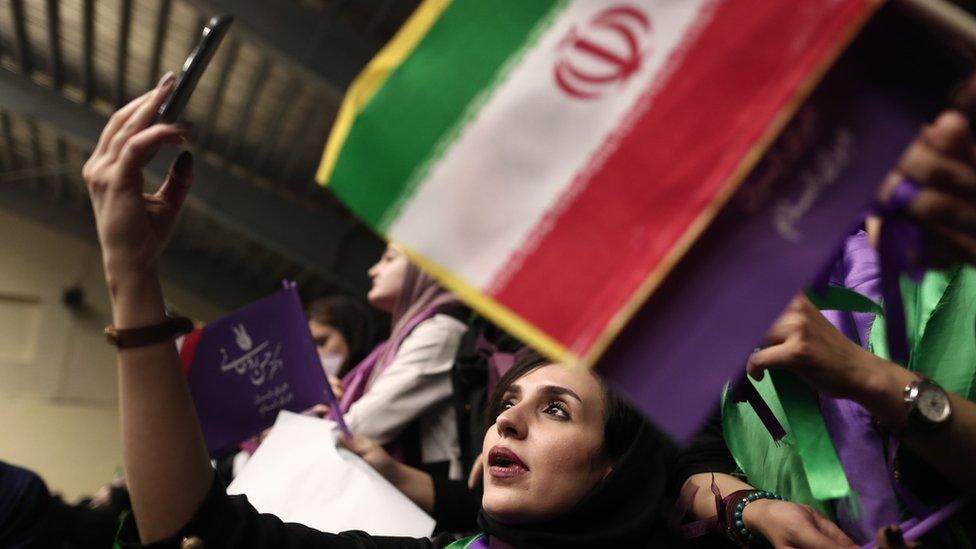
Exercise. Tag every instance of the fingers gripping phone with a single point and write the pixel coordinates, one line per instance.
(193, 68)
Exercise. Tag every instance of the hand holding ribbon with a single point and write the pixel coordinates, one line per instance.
(804, 342)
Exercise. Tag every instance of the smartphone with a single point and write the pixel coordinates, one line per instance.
(193, 68)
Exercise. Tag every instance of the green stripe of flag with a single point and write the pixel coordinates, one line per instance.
(426, 96)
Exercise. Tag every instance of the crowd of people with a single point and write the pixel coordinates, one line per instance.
(527, 453)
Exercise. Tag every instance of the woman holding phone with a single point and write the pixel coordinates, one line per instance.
(568, 462)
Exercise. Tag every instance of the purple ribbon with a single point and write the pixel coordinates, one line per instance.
(934, 515)
(859, 448)
(333, 403)
(900, 247)
(900, 250)
(700, 527)
(913, 529)
(743, 390)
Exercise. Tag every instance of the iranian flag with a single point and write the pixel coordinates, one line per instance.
(551, 161)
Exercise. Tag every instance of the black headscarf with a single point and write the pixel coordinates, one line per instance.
(626, 509)
(353, 320)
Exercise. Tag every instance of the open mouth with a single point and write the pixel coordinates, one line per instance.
(504, 463)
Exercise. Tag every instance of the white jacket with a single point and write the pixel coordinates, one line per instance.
(416, 384)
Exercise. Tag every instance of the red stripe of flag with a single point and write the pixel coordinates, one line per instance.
(744, 68)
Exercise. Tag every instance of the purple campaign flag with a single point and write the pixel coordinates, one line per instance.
(247, 366)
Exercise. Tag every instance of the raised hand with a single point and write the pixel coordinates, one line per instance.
(942, 161)
(133, 226)
(803, 341)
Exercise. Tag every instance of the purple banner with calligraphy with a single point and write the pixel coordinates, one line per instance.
(250, 364)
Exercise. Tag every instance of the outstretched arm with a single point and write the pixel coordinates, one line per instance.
(166, 463)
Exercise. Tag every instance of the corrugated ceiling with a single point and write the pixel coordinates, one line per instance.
(258, 115)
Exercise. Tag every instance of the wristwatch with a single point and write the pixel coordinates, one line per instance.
(928, 407)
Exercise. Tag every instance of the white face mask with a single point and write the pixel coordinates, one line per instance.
(331, 363)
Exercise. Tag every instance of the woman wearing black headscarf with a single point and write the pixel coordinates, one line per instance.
(343, 331)
(623, 506)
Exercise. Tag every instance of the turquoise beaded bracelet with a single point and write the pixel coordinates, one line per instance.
(735, 523)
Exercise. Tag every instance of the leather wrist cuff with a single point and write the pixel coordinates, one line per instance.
(148, 335)
(730, 516)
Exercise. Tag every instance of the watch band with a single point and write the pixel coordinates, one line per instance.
(128, 338)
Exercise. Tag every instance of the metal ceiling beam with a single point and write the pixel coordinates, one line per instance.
(63, 181)
(122, 51)
(20, 34)
(159, 39)
(208, 129)
(54, 43)
(88, 49)
(10, 160)
(315, 42)
(36, 155)
(244, 116)
(306, 235)
(281, 109)
(305, 132)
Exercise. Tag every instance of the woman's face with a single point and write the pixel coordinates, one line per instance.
(544, 452)
(330, 344)
(387, 276)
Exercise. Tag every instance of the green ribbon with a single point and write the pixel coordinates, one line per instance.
(123, 516)
(822, 467)
(837, 298)
(465, 543)
(772, 466)
(801, 406)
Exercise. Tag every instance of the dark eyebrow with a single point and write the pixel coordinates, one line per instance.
(556, 390)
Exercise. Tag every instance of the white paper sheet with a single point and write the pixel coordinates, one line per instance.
(300, 475)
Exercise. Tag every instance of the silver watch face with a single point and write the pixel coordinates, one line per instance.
(932, 403)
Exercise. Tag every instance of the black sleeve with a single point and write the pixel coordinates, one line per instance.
(455, 506)
(231, 522)
(24, 508)
(80, 526)
(706, 453)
